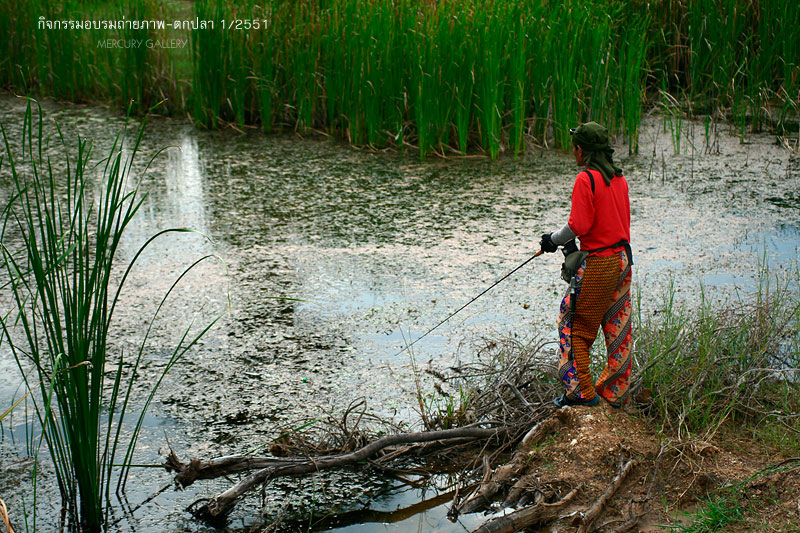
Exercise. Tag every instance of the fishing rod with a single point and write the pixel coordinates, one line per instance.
(454, 313)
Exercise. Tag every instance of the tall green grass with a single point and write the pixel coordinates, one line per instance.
(442, 76)
(59, 248)
(77, 65)
(725, 362)
(732, 56)
(210, 49)
(630, 80)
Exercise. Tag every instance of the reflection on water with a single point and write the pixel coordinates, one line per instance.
(778, 248)
(176, 198)
(334, 259)
(185, 198)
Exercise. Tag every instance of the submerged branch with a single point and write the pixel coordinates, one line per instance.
(270, 468)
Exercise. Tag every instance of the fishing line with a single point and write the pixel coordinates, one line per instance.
(454, 313)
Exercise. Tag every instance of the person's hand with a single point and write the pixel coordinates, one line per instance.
(547, 244)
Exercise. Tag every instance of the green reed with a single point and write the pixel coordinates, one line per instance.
(672, 118)
(518, 55)
(445, 75)
(302, 62)
(378, 73)
(564, 34)
(539, 71)
(423, 95)
(730, 55)
(630, 82)
(210, 58)
(463, 88)
(490, 83)
(375, 61)
(73, 63)
(59, 248)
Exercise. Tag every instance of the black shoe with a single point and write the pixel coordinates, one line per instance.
(615, 405)
(562, 400)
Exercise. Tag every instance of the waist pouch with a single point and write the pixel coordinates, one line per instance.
(573, 260)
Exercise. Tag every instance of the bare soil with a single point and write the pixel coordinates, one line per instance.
(671, 478)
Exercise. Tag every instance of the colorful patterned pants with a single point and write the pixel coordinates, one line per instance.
(601, 294)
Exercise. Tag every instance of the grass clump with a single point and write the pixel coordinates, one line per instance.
(717, 513)
(60, 239)
(742, 505)
(725, 363)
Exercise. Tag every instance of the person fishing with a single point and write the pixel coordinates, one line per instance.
(599, 274)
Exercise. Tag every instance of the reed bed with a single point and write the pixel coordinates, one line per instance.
(58, 253)
(91, 64)
(442, 76)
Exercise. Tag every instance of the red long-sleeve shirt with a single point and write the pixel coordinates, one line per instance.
(602, 218)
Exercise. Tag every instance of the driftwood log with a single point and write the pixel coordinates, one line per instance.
(529, 516)
(591, 516)
(269, 467)
(503, 475)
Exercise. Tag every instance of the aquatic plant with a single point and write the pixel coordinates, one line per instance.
(672, 119)
(441, 76)
(79, 62)
(209, 61)
(59, 248)
(632, 67)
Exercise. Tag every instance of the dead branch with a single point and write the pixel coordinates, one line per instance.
(422, 449)
(487, 490)
(562, 417)
(518, 490)
(4, 517)
(502, 393)
(629, 525)
(535, 514)
(270, 468)
(597, 508)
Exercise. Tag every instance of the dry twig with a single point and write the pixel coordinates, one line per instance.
(4, 517)
(588, 520)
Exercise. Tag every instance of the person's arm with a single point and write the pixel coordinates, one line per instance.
(562, 236)
(581, 214)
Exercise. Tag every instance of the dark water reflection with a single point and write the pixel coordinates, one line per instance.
(331, 258)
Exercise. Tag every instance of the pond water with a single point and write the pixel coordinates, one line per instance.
(328, 259)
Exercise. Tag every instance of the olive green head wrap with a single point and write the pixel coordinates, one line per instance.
(597, 154)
